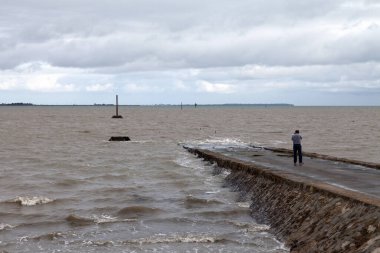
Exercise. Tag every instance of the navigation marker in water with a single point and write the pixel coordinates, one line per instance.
(117, 116)
(119, 138)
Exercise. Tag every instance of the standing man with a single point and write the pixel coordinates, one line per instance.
(297, 148)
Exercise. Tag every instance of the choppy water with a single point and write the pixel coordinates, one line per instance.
(65, 188)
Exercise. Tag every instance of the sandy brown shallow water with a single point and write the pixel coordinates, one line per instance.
(65, 188)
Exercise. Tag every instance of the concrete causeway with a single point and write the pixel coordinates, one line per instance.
(327, 205)
(360, 180)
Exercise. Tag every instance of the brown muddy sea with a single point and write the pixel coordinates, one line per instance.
(66, 188)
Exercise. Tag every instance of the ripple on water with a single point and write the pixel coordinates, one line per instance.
(138, 211)
(193, 202)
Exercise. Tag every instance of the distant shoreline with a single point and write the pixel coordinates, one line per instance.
(186, 105)
(16, 104)
(275, 105)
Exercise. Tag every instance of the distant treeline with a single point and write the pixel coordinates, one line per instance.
(232, 105)
(255, 105)
(16, 104)
(211, 105)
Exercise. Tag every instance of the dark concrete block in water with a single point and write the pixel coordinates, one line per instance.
(117, 117)
(119, 138)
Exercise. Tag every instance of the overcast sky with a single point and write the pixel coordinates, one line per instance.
(304, 52)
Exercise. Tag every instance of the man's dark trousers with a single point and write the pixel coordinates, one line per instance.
(297, 148)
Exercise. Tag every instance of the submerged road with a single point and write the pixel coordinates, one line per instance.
(347, 176)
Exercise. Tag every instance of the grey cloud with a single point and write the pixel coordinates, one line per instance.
(317, 74)
(309, 41)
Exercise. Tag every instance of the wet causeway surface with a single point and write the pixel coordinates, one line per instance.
(344, 175)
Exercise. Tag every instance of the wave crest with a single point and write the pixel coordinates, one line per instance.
(138, 211)
(190, 238)
(31, 201)
(76, 220)
(217, 142)
(104, 219)
(50, 236)
(5, 226)
(192, 202)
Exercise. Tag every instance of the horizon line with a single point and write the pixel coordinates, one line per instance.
(190, 105)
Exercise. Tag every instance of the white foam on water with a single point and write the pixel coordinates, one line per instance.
(225, 173)
(195, 165)
(97, 243)
(163, 238)
(104, 219)
(258, 228)
(281, 245)
(23, 238)
(31, 201)
(155, 239)
(244, 204)
(256, 144)
(189, 162)
(213, 192)
(5, 226)
(218, 141)
(251, 227)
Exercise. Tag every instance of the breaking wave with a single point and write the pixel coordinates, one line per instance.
(217, 142)
(189, 238)
(249, 227)
(155, 239)
(243, 204)
(50, 236)
(30, 201)
(76, 220)
(5, 226)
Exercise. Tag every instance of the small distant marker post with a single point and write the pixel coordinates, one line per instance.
(117, 116)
